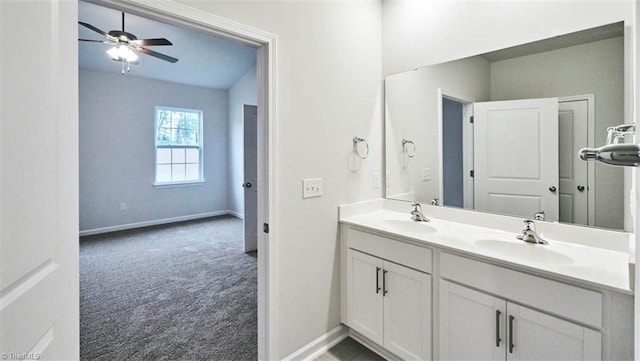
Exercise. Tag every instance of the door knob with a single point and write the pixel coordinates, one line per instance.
(581, 188)
(246, 185)
(553, 188)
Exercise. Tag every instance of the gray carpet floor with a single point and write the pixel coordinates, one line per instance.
(185, 291)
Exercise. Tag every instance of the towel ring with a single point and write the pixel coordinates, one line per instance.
(356, 142)
(405, 148)
(614, 134)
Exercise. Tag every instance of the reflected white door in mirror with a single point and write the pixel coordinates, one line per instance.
(522, 158)
(516, 157)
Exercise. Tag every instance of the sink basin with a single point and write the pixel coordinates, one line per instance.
(524, 251)
(408, 226)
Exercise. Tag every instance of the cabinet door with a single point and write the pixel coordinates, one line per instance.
(407, 312)
(364, 300)
(472, 324)
(534, 335)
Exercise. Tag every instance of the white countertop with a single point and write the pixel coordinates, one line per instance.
(602, 267)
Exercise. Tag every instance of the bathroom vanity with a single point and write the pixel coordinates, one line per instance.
(462, 286)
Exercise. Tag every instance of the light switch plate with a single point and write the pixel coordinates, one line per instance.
(376, 180)
(388, 179)
(426, 174)
(311, 187)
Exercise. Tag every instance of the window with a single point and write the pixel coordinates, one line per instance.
(178, 146)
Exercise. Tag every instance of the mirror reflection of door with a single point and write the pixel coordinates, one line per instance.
(530, 145)
(516, 157)
(574, 121)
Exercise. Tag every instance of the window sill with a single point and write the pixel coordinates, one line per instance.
(179, 184)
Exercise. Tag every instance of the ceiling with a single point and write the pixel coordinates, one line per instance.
(558, 42)
(204, 60)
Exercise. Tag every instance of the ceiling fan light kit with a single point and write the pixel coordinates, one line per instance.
(125, 46)
(120, 52)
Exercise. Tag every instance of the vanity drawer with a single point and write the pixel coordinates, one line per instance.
(406, 254)
(562, 299)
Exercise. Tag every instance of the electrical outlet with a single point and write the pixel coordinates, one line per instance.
(123, 206)
(426, 174)
(312, 187)
(376, 180)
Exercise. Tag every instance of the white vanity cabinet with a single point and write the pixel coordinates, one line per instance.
(415, 300)
(474, 325)
(387, 302)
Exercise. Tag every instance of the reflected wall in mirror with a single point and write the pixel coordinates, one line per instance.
(500, 132)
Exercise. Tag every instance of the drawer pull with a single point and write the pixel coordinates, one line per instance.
(498, 313)
(511, 345)
(384, 283)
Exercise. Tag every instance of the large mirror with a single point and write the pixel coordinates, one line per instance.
(500, 132)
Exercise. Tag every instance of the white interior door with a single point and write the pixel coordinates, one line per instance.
(574, 188)
(39, 300)
(250, 178)
(516, 157)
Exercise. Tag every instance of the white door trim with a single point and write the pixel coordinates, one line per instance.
(591, 143)
(175, 13)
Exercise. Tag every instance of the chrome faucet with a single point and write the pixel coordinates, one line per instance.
(529, 233)
(539, 216)
(416, 213)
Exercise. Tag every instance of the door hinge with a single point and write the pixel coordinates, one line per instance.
(471, 119)
(471, 174)
(265, 227)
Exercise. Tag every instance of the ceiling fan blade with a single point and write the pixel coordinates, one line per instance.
(153, 42)
(94, 41)
(157, 55)
(89, 26)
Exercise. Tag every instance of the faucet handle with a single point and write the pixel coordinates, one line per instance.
(539, 216)
(416, 206)
(529, 225)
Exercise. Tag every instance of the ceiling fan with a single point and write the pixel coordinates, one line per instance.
(125, 45)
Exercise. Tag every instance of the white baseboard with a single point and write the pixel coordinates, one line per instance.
(155, 222)
(236, 214)
(320, 345)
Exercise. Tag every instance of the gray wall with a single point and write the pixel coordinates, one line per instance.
(117, 151)
(244, 91)
(412, 104)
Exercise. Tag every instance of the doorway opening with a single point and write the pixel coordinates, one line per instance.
(456, 142)
(263, 125)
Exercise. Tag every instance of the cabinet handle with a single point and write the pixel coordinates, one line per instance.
(498, 313)
(384, 283)
(511, 345)
(377, 280)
